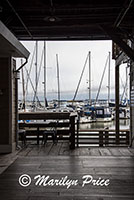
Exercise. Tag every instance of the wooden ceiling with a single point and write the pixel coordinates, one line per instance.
(68, 19)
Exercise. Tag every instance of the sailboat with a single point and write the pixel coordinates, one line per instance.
(103, 113)
(35, 105)
(85, 112)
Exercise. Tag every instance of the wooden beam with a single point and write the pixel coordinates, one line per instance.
(114, 35)
(129, 52)
(120, 58)
(43, 115)
(10, 45)
(123, 13)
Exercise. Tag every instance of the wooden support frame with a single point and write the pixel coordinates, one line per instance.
(113, 34)
(122, 57)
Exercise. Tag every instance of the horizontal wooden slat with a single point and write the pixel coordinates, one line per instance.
(51, 124)
(97, 134)
(45, 115)
(112, 139)
(95, 143)
(49, 137)
(97, 130)
(101, 137)
(34, 132)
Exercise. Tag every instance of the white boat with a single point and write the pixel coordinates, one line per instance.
(103, 114)
(85, 119)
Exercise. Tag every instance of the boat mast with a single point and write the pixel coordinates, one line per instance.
(29, 72)
(97, 96)
(89, 54)
(109, 77)
(58, 81)
(39, 71)
(80, 78)
(23, 87)
(36, 68)
(44, 74)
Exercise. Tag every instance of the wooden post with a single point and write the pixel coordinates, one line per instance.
(106, 137)
(38, 136)
(78, 121)
(101, 138)
(117, 98)
(127, 137)
(72, 131)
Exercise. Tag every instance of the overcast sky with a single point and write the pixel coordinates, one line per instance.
(72, 56)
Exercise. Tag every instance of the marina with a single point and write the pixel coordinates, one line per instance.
(88, 110)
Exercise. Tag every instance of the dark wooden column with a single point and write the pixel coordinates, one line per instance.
(117, 98)
(6, 139)
(72, 131)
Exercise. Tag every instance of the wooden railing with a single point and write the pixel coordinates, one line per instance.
(66, 122)
(102, 137)
(66, 128)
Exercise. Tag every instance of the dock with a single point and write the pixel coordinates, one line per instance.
(56, 161)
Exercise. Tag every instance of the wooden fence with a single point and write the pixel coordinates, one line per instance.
(102, 137)
(77, 137)
(66, 127)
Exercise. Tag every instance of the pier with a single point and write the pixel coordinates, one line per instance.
(98, 164)
(57, 161)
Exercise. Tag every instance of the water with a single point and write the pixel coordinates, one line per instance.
(124, 124)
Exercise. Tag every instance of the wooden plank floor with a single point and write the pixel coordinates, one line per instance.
(57, 161)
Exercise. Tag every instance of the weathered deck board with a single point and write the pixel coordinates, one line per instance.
(115, 151)
(105, 152)
(57, 161)
(45, 149)
(55, 149)
(64, 149)
(94, 151)
(125, 151)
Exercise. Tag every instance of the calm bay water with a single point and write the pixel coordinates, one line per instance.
(124, 124)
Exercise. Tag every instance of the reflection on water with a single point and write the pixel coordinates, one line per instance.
(124, 124)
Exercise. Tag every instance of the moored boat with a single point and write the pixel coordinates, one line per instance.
(103, 114)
